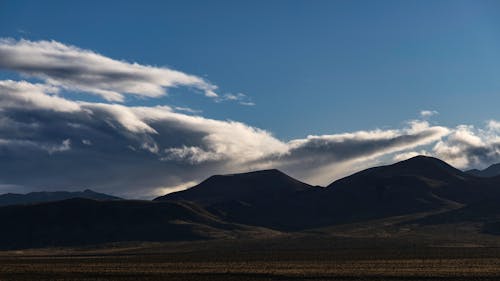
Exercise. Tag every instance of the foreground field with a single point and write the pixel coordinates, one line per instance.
(284, 258)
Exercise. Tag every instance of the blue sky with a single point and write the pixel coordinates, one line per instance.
(318, 89)
(310, 66)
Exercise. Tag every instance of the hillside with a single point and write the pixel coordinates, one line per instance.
(85, 222)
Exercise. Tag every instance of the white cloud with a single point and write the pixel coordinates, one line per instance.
(428, 113)
(187, 110)
(247, 103)
(22, 94)
(468, 147)
(493, 125)
(72, 68)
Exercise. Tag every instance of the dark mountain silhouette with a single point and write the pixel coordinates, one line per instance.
(419, 184)
(84, 221)
(46, 196)
(273, 199)
(234, 205)
(421, 179)
(267, 198)
(246, 187)
(491, 171)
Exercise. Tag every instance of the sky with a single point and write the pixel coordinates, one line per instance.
(140, 98)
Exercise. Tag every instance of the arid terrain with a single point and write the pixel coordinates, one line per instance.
(382, 250)
(419, 219)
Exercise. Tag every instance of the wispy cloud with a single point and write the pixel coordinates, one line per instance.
(428, 113)
(187, 110)
(239, 97)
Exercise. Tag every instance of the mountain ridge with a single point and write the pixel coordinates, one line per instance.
(491, 171)
(266, 201)
(8, 199)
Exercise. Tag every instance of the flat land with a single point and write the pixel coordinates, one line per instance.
(306, 257)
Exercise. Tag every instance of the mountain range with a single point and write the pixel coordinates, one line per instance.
(491, 171)
(261, 203)
(46, 196)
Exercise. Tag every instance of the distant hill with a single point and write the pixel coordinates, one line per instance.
(46, 196)
(85, 222)
(491, 171)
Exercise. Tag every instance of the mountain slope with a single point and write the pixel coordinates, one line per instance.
(83, 222)
(418, 184)
(46, 196)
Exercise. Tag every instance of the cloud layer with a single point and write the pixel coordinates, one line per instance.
(50, 142)
(75, 69)
(131, 150)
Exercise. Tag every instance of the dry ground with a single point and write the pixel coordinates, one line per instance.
(380, 250)
(292, 257)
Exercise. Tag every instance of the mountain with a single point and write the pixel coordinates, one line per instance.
(272, 199)
(262, 202)
(46, 196)
(491, 171)
(266, 198)
(419, 184)
(247, 187)
(84, 222)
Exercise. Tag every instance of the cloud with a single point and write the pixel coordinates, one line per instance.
(239, 97)
(77, 69)
(137, 151)
(428, 113)
(187, 110)
(24, 95)
(348, 150)
(469, 147)
(101, 145)
(143, 151)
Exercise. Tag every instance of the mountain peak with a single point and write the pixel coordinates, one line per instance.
(419, 166)
(49, 196)
(253, 174)
(425, 165)
(243, 186)
(422, 159)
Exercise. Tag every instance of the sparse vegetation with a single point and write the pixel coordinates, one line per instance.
(286, 258)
